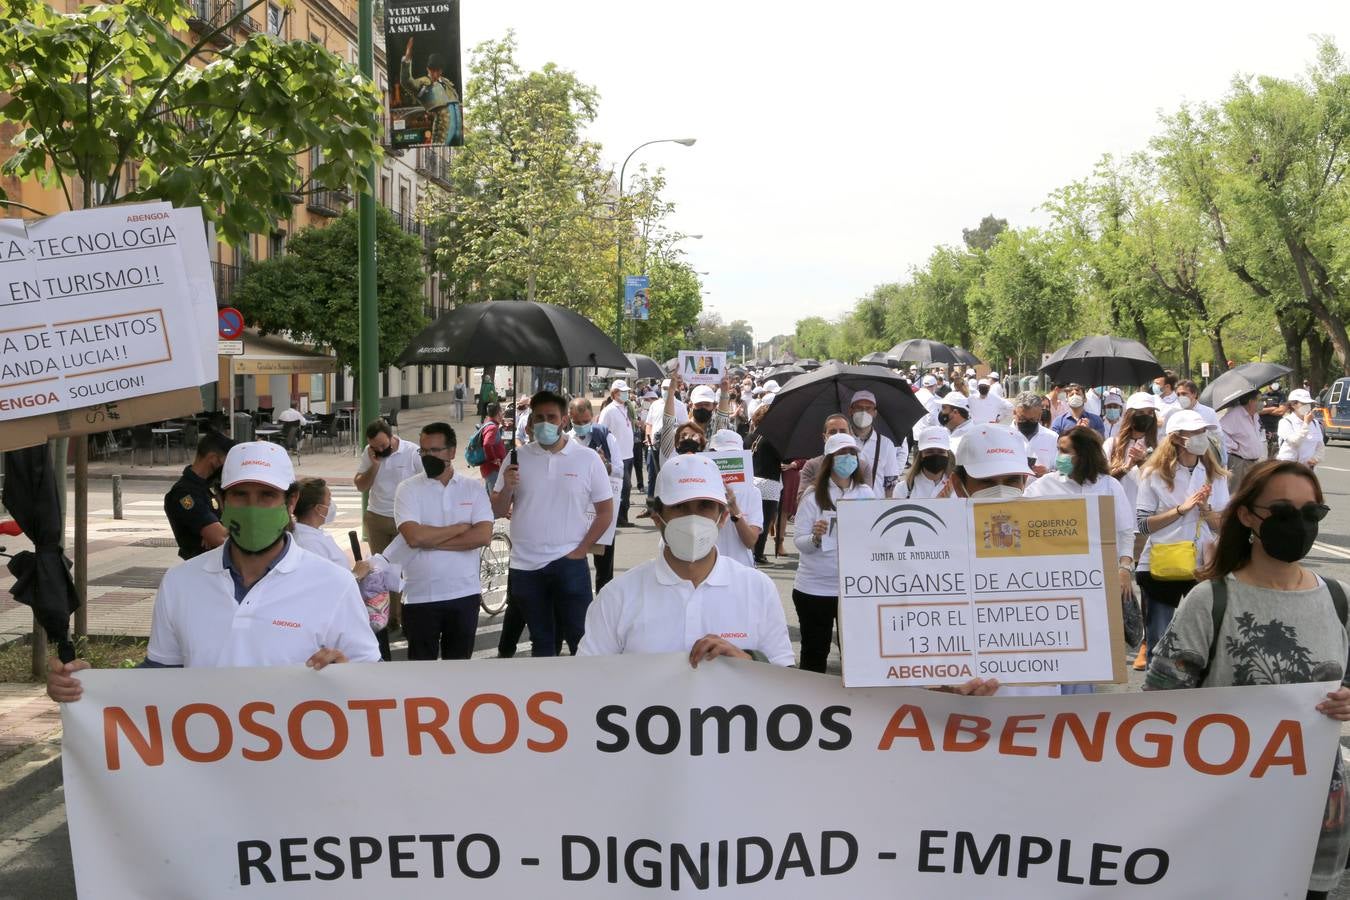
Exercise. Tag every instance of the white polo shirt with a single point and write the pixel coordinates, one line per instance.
(554, 504)
(989, 409)
(615, 418)
(729, 542)
(650, 609)
(1042, 447)
(404, 462)
(658, 411)
(318, 542)
(304, 604)
(887, 463)
(434, 575)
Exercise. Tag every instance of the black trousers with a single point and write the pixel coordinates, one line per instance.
(770, 514)
(815, 615)
(444, 629)
(604, 567)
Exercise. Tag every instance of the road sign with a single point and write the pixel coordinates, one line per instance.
(231, 323)
(230, 348)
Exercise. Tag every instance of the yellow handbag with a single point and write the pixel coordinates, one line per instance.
(1174, 561)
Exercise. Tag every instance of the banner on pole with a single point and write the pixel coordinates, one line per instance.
(422, 61)
(942, 591)
(101, 305)
(602, 777)
(637, 298)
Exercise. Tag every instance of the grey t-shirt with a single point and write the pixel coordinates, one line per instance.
(1266, 637)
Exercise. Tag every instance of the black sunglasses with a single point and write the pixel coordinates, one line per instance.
(1283, 509)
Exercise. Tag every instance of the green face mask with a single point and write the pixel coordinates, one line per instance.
(255, 528)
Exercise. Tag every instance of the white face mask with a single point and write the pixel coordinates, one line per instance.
(998, 492)
(331, 516)
(1197, 444)
(1184, 402)
(862, 418)
(1300, 409)
(691, 538)
(1076, 401)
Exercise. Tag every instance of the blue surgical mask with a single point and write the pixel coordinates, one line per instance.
(546, 433)
(1064, 464)
(1157, 389)
(1112, 413)
(845, 464)
(582, 431)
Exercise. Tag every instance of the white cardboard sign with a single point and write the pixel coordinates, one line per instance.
(702, 366)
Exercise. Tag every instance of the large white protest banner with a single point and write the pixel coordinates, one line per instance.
(631, 776)
(97, 305)
(942, 591)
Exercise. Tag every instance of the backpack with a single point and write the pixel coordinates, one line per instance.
(474, 454)
(1220, 606)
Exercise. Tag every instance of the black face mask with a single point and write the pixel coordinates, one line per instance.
(1288, 533)
(701, 416)
(1141, 422)
(688, 445)
(434, 466)
(386, 452)
(1029, 429)
(933, 464)
(944, 418)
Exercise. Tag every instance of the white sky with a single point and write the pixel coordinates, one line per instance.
(839, 142)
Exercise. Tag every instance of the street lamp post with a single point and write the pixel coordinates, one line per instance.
(618, 217)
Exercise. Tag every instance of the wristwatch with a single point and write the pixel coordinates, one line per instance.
(735, 517)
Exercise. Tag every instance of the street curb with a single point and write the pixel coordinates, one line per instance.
(30, 773)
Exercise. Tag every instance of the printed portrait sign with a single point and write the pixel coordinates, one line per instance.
(426, 87)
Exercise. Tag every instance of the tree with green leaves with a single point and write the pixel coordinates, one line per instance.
(311, 291)
(113, 84)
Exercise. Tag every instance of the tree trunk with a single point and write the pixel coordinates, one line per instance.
(1319, 360)
(1293, 346)
(1220, 363)
(1340, 339)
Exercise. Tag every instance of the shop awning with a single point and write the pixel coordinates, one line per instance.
(274, 355)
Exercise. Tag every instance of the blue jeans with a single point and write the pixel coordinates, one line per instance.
(653, 466)
(1160, 604)
(554, 599)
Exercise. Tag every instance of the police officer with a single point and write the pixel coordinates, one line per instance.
(435, 92)
(192, 507)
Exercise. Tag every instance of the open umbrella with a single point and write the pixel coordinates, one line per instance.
(965, 357)
(513, 333)
(1102, 359)
(1225, 390)
(41, 575)
(809, 365)
(646, 366)
(878, 359)
(783, 374)
(792, 424)
(924, 352)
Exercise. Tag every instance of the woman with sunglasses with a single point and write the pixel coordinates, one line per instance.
(1278, 622)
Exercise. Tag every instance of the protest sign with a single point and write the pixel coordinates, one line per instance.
(735, 465)
(100, 417)
(97, 306)
(637, 298)
(618, 776)
(702, 366)
(942, 591)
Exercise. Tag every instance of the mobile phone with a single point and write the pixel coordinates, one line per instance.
(513, 456)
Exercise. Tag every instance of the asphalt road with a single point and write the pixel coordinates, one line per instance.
(35, 861)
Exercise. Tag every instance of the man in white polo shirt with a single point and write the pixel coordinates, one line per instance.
(261, 599)
(446, 520)
(558, 496)
(1042, 443)
(690, 598)
(876, 451)
(616, 418)
(737, 538)
(387, 461)
(954, 415)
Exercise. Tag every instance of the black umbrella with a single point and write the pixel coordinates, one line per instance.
(513, 333)
(966, 357)
(878, 359)
(1225, 390)
(809, 365)
(1100, 360)
(924, 352)
(792, 424)
(646, 366)
(41, 575)
(783, 374)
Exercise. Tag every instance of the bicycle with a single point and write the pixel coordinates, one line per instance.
(494, 566)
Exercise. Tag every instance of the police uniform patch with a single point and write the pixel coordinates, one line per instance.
(185, 501)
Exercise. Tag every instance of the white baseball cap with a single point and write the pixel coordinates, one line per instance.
(1299, 395)
(989, 451)
(619, 385)
(1186, 420)
(258, 461)
(703, 394)
(956, 399)
(859, 396)
(841, 441)
(935, 437)
(665, 384)
(726, 439)
(1142, 400)
(928, 381)
(757, 391)
(970, 373)
(693, 476)
(771, 386)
